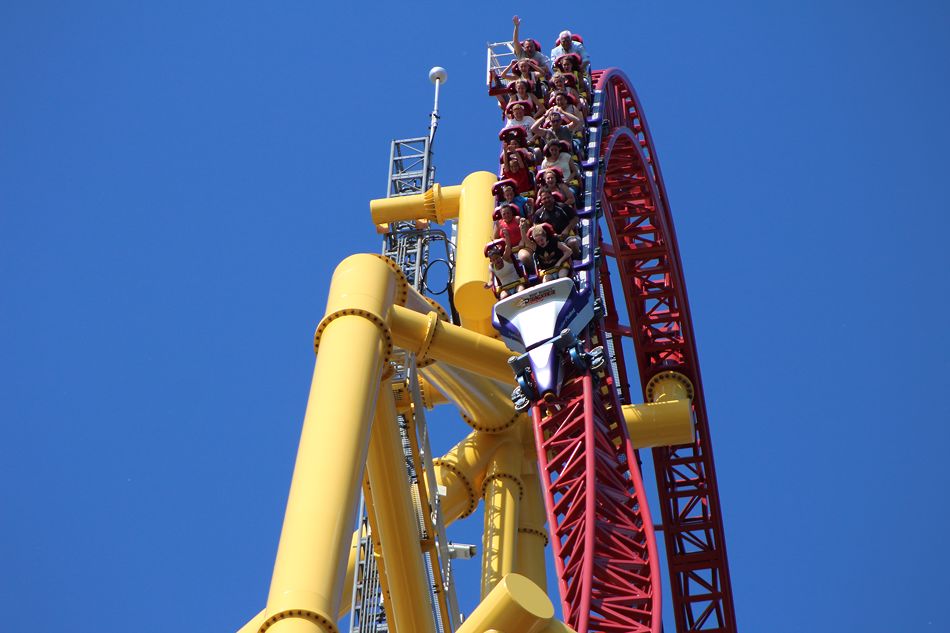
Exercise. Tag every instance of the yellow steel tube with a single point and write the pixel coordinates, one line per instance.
(659, 424)
(483, 404)
(515, 605)
(669, 385)
(532, 536)
(396, 525)
(306, 586)
(375, 547)
(254, 624)
(502, 492)
(426, 336)
(431, 396)
(438, 204)
(462, 472)
(473, 301)
(666, 420)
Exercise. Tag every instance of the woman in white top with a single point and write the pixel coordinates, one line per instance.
(558, 154)
(505, 278)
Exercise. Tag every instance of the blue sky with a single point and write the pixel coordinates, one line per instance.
(178, 180)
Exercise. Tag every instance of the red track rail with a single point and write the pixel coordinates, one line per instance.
(643, 247)
(602, 535)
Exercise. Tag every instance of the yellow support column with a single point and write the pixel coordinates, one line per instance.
(473, 301)
(515, 605)
(426, 336)
(472, 202)
(502, 492)
(462, 472)
(396, 525)
(532, 536)
(306, 587)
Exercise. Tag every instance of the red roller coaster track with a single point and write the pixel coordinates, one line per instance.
(603, 538)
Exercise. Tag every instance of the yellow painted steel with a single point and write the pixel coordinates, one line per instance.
(428, 337)
(306, 586)
(669, 385)
(502, 491)
(438, 204)
(428, 541)
(472, 203)
(473, 301)
(515, 605)
(666, 420)
(376, 546)
(462, 472)
(370, 308)
(532, 536)
(254, 624)
(396, 525)
(483, 404)
(659, 424)
(431, 396)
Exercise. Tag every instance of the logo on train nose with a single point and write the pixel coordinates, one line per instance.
(535, 297)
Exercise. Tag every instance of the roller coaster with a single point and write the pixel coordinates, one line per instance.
(561, 468)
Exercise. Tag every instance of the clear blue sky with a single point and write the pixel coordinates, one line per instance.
(178, 180)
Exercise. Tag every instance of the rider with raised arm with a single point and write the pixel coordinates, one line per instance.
(529, 49)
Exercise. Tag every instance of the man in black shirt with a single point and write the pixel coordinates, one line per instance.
(560, 216)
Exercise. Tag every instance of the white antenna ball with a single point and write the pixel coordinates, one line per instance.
(438, 74)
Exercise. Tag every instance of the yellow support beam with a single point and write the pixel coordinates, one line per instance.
(409, 609)
(502, 491)
(482, 403)
(439, 204)
(428, 337)
(472, 203)
(462, 471)
(532, 535)
(515, 605)
(306, 587)
(667, 420)
(473, 300)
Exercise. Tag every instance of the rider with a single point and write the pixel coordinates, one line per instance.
(529, 49)
(504, 275)
(551, 256)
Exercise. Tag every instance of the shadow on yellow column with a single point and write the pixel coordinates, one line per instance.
(502, 491)
(395, 524)
(532, 535)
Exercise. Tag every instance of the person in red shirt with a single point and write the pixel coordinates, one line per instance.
(514, 166)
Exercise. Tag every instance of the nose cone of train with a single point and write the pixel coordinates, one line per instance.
(529, 321)
(546, 368)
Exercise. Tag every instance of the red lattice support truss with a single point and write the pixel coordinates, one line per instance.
(643, 246)
(602, 535)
